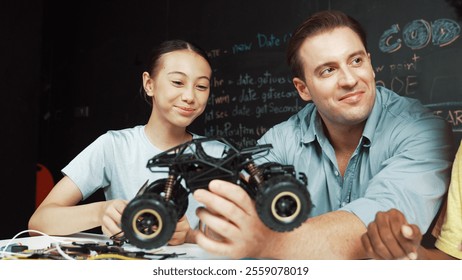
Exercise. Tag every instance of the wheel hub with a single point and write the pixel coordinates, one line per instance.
(286, 206)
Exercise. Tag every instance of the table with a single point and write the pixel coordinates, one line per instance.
(184, 251)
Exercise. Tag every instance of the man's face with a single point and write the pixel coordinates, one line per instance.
(339, 77)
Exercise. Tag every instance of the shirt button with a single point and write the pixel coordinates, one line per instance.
(336, 173)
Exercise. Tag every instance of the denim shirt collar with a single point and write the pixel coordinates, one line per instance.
(308, 117)
(373, 121)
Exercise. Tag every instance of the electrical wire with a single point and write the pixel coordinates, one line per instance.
(112, 257)
(4, 253)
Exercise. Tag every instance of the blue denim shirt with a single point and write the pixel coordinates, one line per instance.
(402, 161)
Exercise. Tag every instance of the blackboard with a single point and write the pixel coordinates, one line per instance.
(415, 47)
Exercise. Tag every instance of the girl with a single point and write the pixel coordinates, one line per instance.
(178, 86)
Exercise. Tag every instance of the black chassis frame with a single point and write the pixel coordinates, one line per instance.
(282, 200)
(197, 168)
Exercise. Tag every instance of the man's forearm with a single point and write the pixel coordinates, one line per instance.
(335, 235)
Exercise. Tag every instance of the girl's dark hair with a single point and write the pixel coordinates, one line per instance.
(319, 22)
(168, 47)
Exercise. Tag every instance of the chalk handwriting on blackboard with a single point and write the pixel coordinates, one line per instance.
(248, 98)
(403, 76)
(450, 111)
(417, 34)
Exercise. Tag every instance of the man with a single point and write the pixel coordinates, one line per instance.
(364, 150)
(390, 236)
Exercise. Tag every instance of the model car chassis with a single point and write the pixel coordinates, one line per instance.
(281, 199)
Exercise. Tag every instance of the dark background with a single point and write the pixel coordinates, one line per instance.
(71, 70)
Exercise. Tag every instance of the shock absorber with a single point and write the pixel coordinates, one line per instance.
(255, 174)
(169, 186)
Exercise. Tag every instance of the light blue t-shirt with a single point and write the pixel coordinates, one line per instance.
(116, 161)
(402, 161)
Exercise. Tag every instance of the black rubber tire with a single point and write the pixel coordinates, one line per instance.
(283, 203)
(179, 195)
(142, 214)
